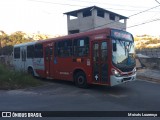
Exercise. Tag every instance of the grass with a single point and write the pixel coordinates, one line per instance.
(11, 79)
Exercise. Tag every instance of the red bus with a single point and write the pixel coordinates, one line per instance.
(104, 56)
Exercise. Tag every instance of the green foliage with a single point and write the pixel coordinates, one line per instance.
(7, 41)
(146, 41)
(18, 37)
(10, 79)
(136, 38)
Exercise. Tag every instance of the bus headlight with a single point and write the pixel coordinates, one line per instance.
(116, 73)
(134, 71)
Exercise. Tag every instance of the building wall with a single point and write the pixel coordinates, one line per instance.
(81, 23)
(101, 23)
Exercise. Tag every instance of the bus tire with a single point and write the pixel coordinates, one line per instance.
(80, 80)
(30, 71)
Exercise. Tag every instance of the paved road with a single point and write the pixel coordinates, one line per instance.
(64, 96)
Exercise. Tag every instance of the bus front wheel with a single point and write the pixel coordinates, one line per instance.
(80, 80)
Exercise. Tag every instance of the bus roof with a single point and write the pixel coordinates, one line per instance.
(25, 44)
(76, 35)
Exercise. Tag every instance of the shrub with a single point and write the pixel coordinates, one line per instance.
(10, 79)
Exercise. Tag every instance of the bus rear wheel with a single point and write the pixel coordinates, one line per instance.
(80, 80)
(30, 71)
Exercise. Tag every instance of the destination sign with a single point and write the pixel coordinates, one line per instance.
(118, 34)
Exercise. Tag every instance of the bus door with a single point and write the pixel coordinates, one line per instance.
(23, 58)
(49, 61)
(100, 63)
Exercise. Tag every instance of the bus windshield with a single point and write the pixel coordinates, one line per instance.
(124, 56)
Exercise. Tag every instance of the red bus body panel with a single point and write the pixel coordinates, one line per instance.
(63, 68)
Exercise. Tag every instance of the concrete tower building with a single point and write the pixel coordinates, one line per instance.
(94, 18)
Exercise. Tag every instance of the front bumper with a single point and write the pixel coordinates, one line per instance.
(119, 80)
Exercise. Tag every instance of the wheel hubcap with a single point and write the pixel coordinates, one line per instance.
(80, 80)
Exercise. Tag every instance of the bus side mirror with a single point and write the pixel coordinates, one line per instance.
(114, 47)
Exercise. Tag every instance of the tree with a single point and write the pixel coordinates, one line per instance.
(7, 41)
(3, 38)
(18, 37)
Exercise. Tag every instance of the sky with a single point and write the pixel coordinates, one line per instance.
(46, 16)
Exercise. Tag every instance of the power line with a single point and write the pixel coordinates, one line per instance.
(153, 20)
(87, 6)
(112, 21)
(107, 3)
(55, 3)
(157, 1)
(128, 17)
(84, 2)
(132, 16)
(82, 5)
(143, 11)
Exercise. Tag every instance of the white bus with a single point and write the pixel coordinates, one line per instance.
(28, 57)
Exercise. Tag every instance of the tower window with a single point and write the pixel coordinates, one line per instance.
(100, 13)
(112, 17)
(87, 13)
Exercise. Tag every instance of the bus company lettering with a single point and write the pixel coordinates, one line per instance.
(64, 73)
(34, 115)
(50, 44)
(99, 37)
(122, 35)
(142, 115)
(134, 114)
(149, 115)
(19, 114)
(15, 114)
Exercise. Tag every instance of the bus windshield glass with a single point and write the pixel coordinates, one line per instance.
(124, 57)
(123, 53)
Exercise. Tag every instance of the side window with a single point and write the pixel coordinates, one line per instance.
(48, 51)
(23, 54)
(63, 48)
(104, 51)
(17, 52)
(56, 49)
(81, 46)
(30, 51)
(38, 51)
(95, 52)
